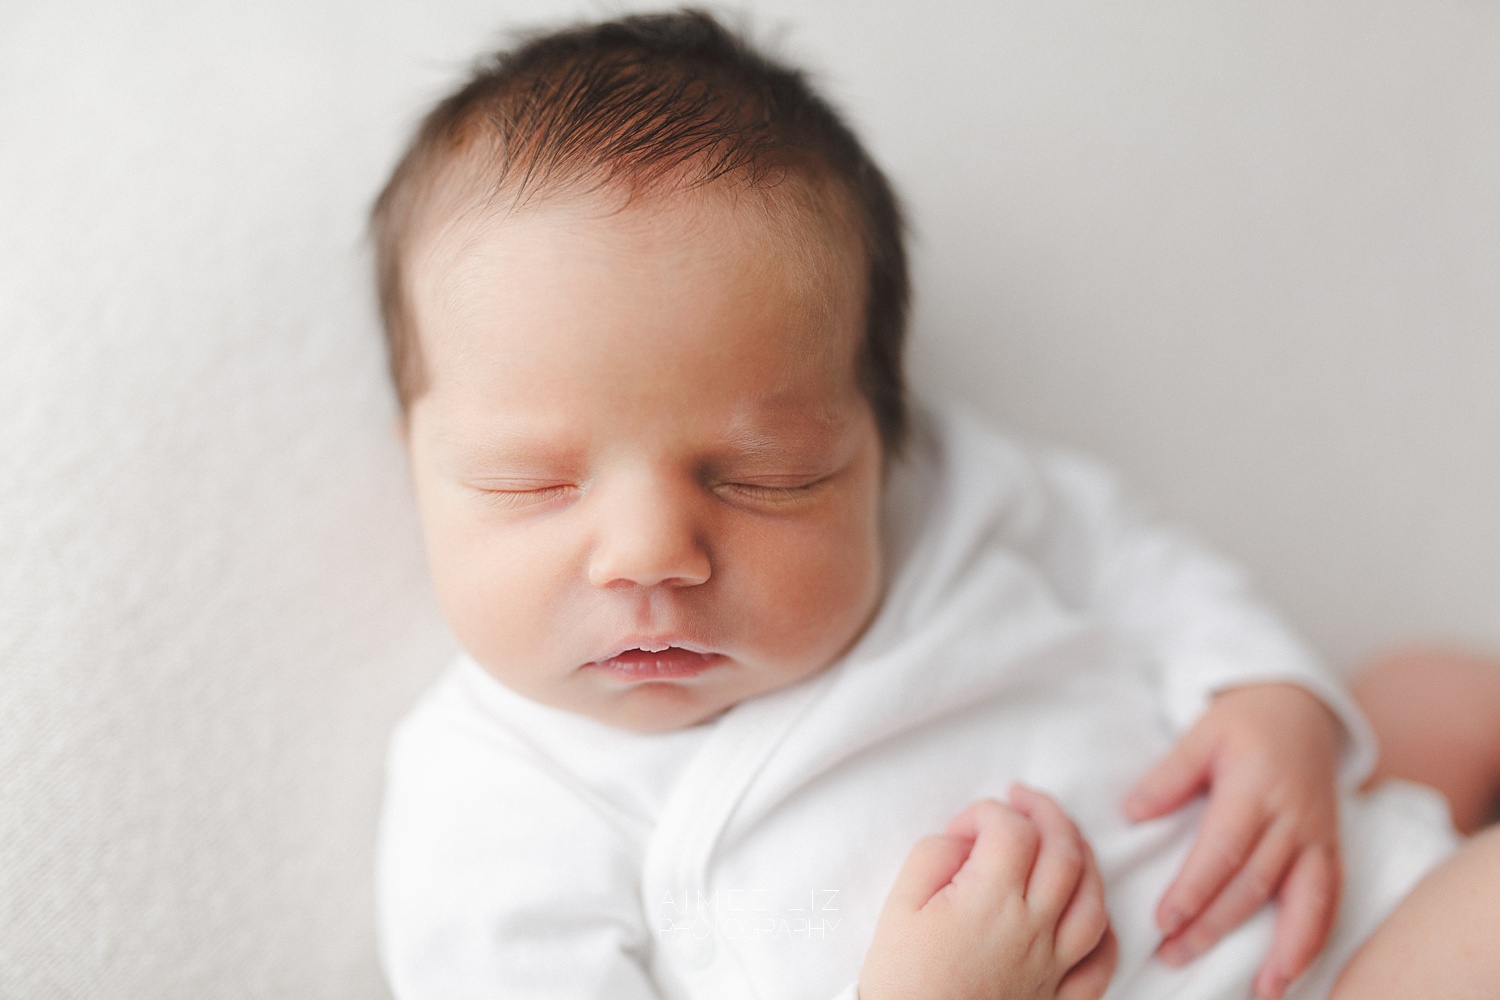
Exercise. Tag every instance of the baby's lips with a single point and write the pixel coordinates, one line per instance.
(670, 663)
(654, 644)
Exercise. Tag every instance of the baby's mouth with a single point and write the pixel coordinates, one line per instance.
(650, 662)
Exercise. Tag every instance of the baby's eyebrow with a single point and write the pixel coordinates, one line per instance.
(754, 442)
(526, 458)
(504, 448)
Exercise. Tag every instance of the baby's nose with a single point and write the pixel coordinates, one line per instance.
(647, 538)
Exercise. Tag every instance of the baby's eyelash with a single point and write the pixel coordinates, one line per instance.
(773, 494)
(523, 497)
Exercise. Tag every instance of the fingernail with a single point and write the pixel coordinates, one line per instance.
(1173, 921)
(1174, 954)
(1271, 987)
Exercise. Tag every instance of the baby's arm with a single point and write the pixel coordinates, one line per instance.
(1007, 904)
(1193, 611)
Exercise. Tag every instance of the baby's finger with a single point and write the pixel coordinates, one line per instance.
(1005, 847)
(929, 867)
(1308, 902)
(1176, 778)
(1229, 831)
(966, 823)
(1061, 856)
(1086, 920)
(1247, 892)
(1090, 978)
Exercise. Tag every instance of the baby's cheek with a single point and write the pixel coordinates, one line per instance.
(816, 590)
(493, 593)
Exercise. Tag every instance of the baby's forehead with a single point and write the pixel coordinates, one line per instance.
(796, 236)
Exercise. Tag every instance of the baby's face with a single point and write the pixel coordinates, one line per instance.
(648, 480)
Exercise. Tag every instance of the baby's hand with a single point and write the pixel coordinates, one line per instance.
(1268, 755)
(1006, 905)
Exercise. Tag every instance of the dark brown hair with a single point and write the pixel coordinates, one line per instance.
(645, 100)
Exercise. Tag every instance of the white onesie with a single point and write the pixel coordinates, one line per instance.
(1034, 628)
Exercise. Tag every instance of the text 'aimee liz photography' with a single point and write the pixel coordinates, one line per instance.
(748, 914)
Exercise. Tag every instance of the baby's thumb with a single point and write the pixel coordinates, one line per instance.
(1177, 777)
(931, 865)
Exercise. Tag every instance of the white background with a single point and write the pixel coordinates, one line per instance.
(1249, 252)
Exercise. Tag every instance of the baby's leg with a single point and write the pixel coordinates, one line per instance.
(1437, 716)
(1440, 941)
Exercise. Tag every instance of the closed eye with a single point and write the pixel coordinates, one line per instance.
(772, 493)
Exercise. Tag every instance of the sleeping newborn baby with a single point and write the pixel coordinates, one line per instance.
(774, 685)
